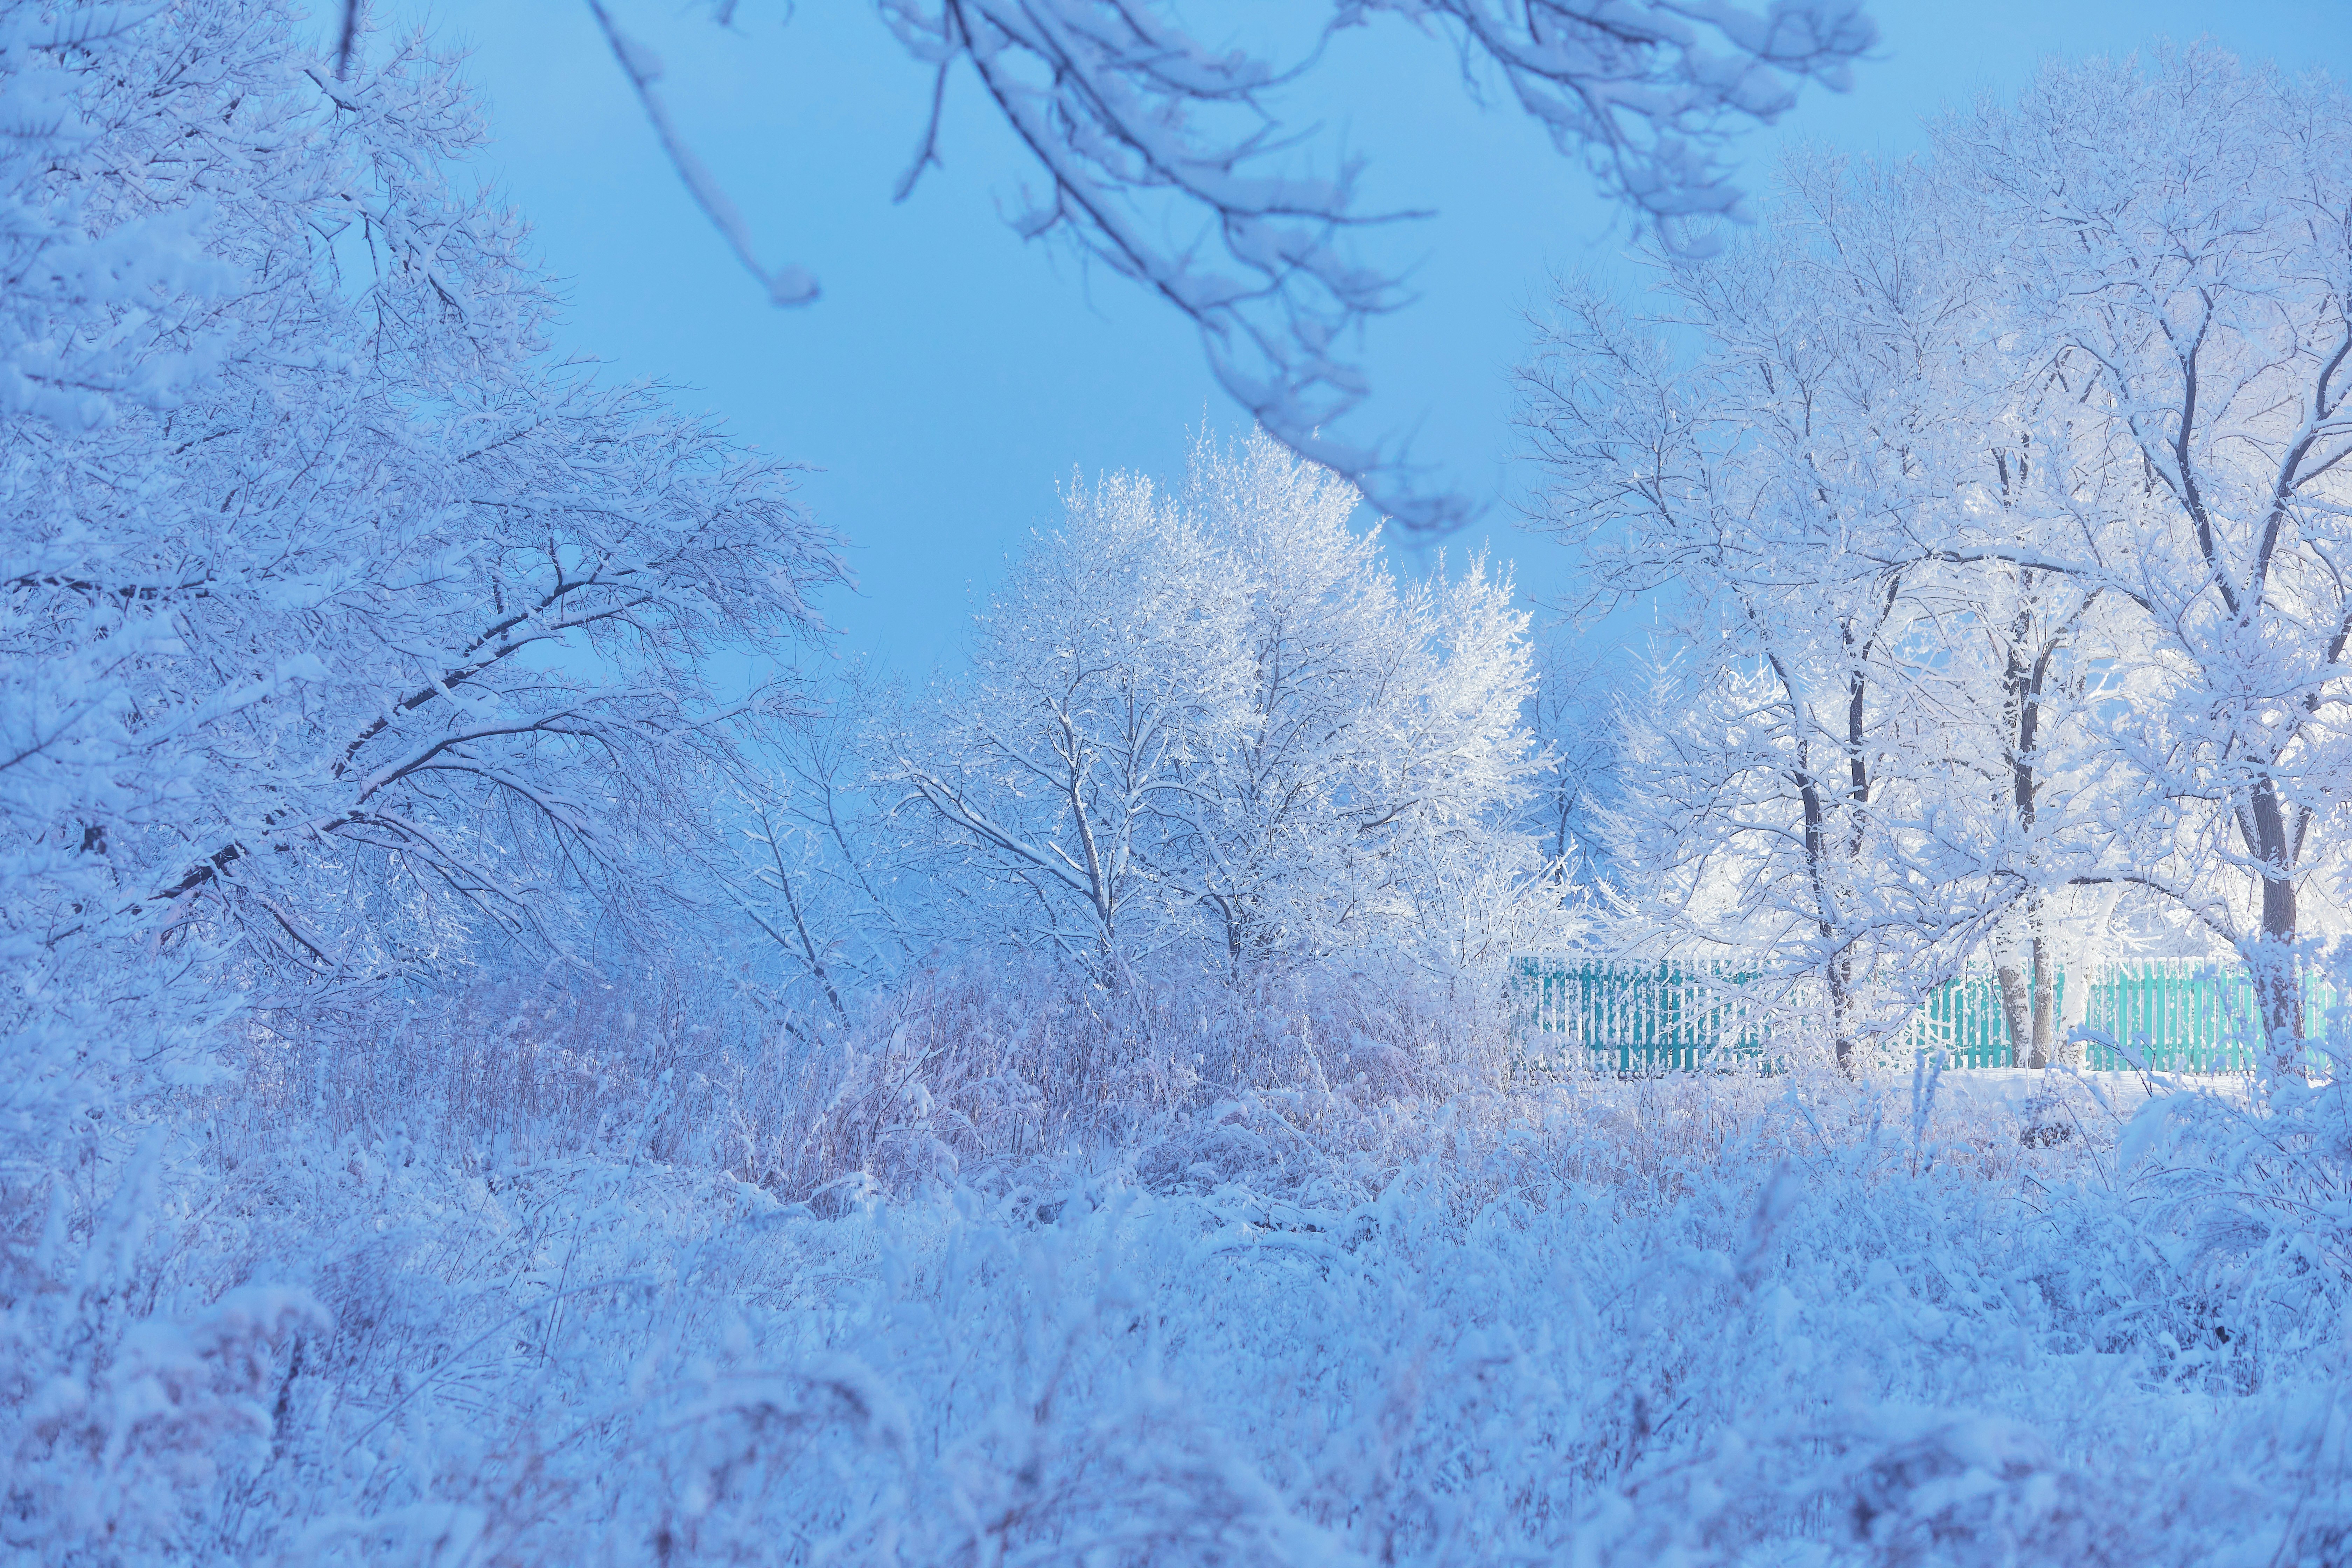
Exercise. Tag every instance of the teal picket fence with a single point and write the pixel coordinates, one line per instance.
(1658, 1017)
(2168, 1014)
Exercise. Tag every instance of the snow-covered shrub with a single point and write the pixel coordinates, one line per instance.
(964, 1072)
(1716, 1318)
(1616, 1322)
(2256, 1200)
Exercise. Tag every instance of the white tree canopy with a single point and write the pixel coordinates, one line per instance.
(339, 622)
(2043, 447)
(1216, 717)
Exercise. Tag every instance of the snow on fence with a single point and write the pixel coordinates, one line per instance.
(1655, 1016)
(2172, 1015)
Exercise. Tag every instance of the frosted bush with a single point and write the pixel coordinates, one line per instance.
(1728, 1320)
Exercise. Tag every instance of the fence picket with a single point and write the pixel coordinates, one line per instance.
(2175, 1014)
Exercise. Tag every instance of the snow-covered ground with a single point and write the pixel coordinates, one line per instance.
(1710, 1320)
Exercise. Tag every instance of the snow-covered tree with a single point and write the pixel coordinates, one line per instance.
(810, 860)
(1573, 714)
(2172, 242)
(339, 626)
(2070, 395)
(1216, 717)
(394, 612)
(1773, 795)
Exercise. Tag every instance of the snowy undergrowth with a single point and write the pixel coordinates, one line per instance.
(1684, 1320)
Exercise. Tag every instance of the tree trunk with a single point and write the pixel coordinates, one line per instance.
(1841, 978)
(2276, 988)
(1838, 971)
(2009, 959)
(2016, 1007)
(2045, 990)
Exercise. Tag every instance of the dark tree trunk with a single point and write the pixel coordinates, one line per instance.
(2045, 994)
(1841, 977)
(2277, 990)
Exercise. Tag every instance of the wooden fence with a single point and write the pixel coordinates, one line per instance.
(1655, 1017)
(2169, 1014)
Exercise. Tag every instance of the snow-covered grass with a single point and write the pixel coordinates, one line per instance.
(1682, 1320)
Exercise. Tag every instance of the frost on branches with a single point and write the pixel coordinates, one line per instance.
(2008, 505)
(339, 620)
(1161, 157)
(342, 629)
(1215, 719)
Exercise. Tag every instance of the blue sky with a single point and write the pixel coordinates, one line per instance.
(951, 377)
